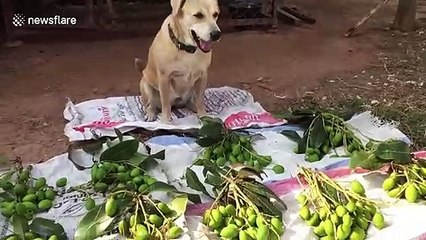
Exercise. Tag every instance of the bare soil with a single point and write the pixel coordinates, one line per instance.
(37, 77)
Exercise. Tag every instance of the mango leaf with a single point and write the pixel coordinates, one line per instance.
(164, 187)
(121, 151)
(93, 224)
(46, 228)
(194, 183)
(247, 172)
(301, 117)
(317, 134)
(207, 141)
(199, 162)
(364, 160)
(20, 225)
(262, 190)
(301, 145)
(213, 180)
(7, 237)
(7, 196)
(211, 127)
(144, 161)
(179, 204)
(292, 135)
(211, 167)
(263, 203)
(395, 150)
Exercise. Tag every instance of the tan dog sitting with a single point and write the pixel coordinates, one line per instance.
(176, 72)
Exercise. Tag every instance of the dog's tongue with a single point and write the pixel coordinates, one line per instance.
(205, 46)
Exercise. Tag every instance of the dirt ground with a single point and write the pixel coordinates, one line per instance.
(37, 77)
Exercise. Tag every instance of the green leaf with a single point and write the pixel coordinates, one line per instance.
(301, 145)
(121, 151)
(165, 187)
(144, 161)
(194, 198)
(364, 160)
(7, 196)
(317, 135)
(194, 183)
(395, 150)
(93, 224)
(262, 190)
(301, 117)
(247, 172)
(46, 228)
(179, 204)
(292, 135)
(263, 203)
(207, 141)
(162, 187)
(199, 162)
(119, 134)
(20, 225)
(213, 180)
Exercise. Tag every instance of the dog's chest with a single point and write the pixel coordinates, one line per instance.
(182, 83)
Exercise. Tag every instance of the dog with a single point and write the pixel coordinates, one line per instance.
(175, 74)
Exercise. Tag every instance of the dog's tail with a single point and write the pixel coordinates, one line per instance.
(139, 65)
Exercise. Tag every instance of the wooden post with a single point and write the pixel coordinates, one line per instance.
(7, 7)
(405, 17)
(90, 15)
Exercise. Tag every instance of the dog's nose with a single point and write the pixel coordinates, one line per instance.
(215, 35)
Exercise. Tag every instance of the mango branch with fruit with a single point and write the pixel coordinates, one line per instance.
(336, 212)
(225, 147)
(245, 209)
(324, 133)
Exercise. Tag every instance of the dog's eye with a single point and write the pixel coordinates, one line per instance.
(215, 15)
(199, 15)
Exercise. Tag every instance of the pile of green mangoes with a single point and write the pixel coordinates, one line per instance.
(27, 196)
(337, 135)
(113, 176)
(238, 149)
(150, 221)
(244, 223)
(348, 219)
(407, 182)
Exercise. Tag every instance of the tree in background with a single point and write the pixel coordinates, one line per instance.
(405, 17)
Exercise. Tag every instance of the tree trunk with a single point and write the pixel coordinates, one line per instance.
(7, 14)
(405, 17)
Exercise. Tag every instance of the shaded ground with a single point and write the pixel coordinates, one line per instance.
(36, 78)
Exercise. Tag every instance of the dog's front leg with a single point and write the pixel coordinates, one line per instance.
(164, 87)
(200, 87)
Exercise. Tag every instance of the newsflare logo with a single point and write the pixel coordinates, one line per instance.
(19, 20)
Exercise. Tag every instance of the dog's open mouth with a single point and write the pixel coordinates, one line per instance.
(204, 46)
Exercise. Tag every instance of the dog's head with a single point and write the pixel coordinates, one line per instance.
(198, 17)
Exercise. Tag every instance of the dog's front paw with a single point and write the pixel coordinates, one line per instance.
(150, 116)
(165, 119)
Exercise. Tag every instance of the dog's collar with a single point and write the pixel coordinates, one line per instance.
(179, 45)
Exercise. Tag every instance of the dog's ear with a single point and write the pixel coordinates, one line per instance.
(177, 5)
(139, 65)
